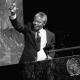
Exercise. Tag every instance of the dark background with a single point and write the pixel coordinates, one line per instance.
(63, 19)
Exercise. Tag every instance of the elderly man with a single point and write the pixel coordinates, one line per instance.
(37, 39)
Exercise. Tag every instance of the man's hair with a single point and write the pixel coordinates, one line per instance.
(41, 15)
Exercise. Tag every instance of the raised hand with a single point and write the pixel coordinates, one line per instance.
(13, 8)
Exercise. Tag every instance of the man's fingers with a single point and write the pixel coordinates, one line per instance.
(13, 7)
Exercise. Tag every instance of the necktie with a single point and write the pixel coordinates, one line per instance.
(38, 39)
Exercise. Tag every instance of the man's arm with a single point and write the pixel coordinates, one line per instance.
(13, 18)
(52, 47)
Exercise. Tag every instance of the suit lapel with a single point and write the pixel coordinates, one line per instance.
(33, 40)
(32, 36)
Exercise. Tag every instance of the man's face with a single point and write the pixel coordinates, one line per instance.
(38, 23)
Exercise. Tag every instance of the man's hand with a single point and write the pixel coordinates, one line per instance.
(13, 10)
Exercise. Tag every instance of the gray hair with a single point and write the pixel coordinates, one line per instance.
(41, 15)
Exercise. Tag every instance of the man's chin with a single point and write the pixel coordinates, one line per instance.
(36, 28)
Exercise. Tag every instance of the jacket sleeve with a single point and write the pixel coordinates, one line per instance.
(50, 47)
(18, 26)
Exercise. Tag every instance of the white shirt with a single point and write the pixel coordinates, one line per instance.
(41, 54)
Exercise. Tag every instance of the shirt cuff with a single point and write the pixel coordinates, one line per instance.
(49, 57)
(13, 17)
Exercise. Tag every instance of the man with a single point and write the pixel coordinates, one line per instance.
(37, 39)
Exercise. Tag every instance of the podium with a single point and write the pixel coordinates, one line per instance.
(62, 68)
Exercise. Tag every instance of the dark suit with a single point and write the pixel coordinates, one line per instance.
(30, 49)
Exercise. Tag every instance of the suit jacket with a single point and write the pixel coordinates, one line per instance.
(30, 50)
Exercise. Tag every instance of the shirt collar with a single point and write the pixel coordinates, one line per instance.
(41, 30)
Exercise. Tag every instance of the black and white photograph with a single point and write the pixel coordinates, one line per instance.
(39, 40)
